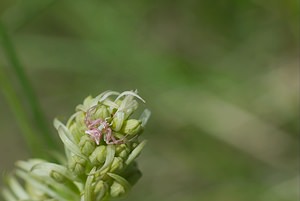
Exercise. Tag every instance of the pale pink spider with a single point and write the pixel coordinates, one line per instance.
(99, 128)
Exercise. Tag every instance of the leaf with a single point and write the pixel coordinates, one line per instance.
(145, 117)
(44, 169)
(135, 152)
(17, 189)
(88, 186)
(8, 196)
(130, 93)
(69, 144)
(39, 185)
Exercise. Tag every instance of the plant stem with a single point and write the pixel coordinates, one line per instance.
(20, 115)
(39, 119)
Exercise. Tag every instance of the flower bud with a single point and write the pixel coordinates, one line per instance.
(57, 176)
(118, 121)
(77, 165)
(117, 164)
(124, 154)
(102, 112)
(87, 146)
(116, 189)
(98, 156)
(131, 126)
(134, 145)
(99, 187)
(122, 151)
(130, 107)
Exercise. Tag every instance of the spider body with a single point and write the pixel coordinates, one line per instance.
(100, 128)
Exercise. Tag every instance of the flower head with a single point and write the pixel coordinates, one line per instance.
(101, 143)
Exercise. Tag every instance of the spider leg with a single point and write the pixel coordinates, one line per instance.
(94, 123)
(95, 135)
(108, 136)
(87, 119)
(119, 141)
(110, 139)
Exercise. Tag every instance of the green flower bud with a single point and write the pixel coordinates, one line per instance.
(117, 164)
(124, 154)
(102, 112)
(77, 130)
(77, 165)
(132, 126)
(122, 151)
(99, 187)
(117, 190)
(118, 121)
(57, 176)
(131, 108)
(120, 148)
(134, 145)
(98, 156)
(87, 146)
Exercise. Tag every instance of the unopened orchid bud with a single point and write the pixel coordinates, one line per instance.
(118, 121)
(98, 156)
(77, 165)
(102, 112)
(132, 126)
(117, 164)
(57, 176)
(87, 146)
(131, 107)
(117, 190)
(123, 154)
(122, 151)
(99, 187)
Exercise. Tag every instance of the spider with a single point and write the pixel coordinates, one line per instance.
(99, 128)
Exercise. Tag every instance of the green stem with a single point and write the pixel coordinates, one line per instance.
(20, 115)
(48, 140)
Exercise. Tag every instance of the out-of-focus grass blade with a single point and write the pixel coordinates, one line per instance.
(12, 98)
(39, 119)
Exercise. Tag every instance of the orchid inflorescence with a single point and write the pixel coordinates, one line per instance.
(101, 143)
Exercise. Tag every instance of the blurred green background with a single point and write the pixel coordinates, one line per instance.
(221, 78)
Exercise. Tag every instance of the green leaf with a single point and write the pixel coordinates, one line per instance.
(39, 185)
(45, 168)
(145, 117)
(8, 196)
(129, 93)
(88, 196)
(17, 189)
(135, 152)
(69, 144)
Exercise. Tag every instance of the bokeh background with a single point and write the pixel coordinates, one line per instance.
(221, 78)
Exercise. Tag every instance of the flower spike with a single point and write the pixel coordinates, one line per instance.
(101, 143)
